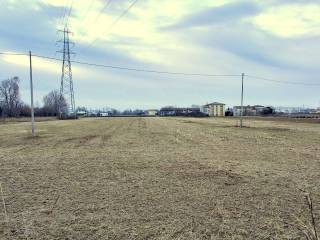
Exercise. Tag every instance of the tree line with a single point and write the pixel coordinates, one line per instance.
(11, 104)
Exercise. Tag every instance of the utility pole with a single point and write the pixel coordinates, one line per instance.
(66, 88)
(31, 91)
(241, 111)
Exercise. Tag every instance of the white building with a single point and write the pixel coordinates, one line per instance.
(214, 109)
(151, 112)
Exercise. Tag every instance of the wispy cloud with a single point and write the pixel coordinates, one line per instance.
(217, 15)
(290, 20)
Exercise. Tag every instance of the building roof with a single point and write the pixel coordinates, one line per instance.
(244, 106)
(213, 103)
(179, 109)
(249, 106)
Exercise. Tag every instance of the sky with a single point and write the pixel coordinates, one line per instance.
(272, 39)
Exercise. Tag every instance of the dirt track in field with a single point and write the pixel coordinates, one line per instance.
(158, 178)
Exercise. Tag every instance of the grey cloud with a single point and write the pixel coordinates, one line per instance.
(215, 15)
(25, 29)
(230, 47)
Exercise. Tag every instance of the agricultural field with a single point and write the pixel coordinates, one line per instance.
(159, 178)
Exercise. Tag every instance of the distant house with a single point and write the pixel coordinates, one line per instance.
(174, 111)
(92, 114)
(103, 114)
(247, 111)
(259, 109)
(151, 112)
(168, 111)
(82, 113)
(256, 110)
(214, 109)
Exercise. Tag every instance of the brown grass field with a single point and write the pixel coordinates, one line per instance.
(158, 178)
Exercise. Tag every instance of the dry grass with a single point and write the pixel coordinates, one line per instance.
(25, 119)
(158, 178)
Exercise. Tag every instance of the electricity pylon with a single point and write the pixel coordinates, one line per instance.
(67, 108)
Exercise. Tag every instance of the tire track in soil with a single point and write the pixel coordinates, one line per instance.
(116, 130)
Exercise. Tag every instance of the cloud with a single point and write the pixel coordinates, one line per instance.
(217, 15)
(39, 64)
(55, 3)
(21, 29)
(233, 28)
(254, 46)
(220, 36)
(292, 20)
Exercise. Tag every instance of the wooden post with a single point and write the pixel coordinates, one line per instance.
(241, 111)
(31, 91)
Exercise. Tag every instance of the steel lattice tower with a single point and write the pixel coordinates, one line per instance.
(66, 88)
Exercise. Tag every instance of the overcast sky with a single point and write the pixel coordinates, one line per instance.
(274, 39)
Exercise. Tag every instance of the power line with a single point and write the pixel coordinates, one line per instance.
(88, 10)
(13, 54)
(141, 70)
(131, 69)
(63, 16)
(70, 10)
(162, 72)
(283, 82)
(102, 10)
(64, 12)
(123, 14)
(115, 21)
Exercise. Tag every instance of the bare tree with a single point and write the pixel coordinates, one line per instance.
(52, 102)
(10, 97)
